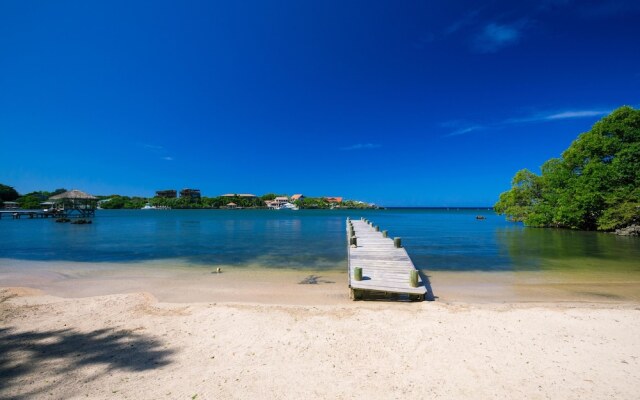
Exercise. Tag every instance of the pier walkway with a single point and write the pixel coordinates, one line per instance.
(17, 213)
(379, 265)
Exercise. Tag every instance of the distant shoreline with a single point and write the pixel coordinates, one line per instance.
(438, 208)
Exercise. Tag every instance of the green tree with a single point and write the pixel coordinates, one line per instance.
(521, 199)
(32, 201)
(8, 193)
(113, 202)
(594, 185)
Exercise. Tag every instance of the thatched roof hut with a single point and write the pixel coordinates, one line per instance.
(73, 194)
(76, 202)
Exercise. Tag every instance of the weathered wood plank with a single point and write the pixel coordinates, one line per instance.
(385, 268)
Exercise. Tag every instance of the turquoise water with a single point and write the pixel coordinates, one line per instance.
(451, 240)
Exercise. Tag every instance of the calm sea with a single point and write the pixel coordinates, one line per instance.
(436, 239)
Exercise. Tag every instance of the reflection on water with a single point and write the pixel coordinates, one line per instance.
(437, 240)
(555, 249)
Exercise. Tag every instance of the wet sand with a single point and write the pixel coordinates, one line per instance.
(174, 281)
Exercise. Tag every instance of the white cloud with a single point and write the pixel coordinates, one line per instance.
(468, 129)
(555, 116)
(539, 117)
(159, 151)
(575, 114)
(494, 37)
(361, 146)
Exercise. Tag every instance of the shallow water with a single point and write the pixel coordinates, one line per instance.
(436, 239)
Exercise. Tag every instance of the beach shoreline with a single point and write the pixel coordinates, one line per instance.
(133, 346)
(175, 281)
(169, 330)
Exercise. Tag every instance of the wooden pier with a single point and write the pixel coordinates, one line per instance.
(379, 265)
(17, 214)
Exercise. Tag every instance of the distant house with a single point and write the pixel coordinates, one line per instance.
(280, 200)
(297, 197)
(167, 194)
(277, 203)
(335, 200)
(11, 205)
(232, 206)
(193, 194)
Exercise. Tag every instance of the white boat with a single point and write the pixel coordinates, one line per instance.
(289, 206)
(149, 207)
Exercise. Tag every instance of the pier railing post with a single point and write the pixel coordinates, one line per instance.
(385, 234)
(357, 273)
(397, 242)
(413, 278)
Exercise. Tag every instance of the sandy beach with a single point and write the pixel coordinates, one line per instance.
(75, 334)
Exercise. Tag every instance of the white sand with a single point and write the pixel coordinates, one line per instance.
(130, 346)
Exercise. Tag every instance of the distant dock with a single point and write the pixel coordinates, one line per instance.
(379, 265)
(18, 214)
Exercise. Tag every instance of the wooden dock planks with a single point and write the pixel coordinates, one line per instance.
(385, 268)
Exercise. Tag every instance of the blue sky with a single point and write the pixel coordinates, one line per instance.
(432, 103)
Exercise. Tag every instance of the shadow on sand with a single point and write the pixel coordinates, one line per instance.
(61, 352)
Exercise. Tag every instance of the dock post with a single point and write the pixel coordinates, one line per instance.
(385, 234)
(377, 228)
(413, 278)
(357, 273)
(397, 242)
(354, 241)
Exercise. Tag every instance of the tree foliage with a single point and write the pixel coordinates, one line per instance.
(594, 185)
(34, 200)
(8, 193)
(29, 201)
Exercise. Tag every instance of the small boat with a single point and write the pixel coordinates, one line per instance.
(289, 206)
(149, 207)
(480, 217)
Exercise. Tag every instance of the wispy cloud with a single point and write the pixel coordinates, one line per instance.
(159, 151)
(462, 131)
(462, 128)
(484, 30)
(495, 37)
(467, 19)
(576, 114)
(555, 116)
(361, 146)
